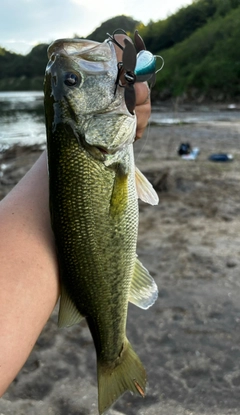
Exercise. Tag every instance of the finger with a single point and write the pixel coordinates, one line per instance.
(143, 113)
(143, 107)
(142, 93)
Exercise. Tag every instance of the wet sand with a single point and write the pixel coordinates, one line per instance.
(189, 341)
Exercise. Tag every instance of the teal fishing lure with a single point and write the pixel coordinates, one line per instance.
(138, 65)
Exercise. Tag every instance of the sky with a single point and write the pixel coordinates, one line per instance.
(26, 23)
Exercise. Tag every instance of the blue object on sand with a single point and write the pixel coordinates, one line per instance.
(221, 157)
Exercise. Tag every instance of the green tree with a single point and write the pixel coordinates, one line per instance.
(207, 61)
(126, 23)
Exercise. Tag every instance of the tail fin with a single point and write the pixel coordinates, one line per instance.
(127, 373)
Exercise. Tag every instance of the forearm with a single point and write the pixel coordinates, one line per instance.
(29, 285)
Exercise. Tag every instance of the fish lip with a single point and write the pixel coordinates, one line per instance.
(69, 46)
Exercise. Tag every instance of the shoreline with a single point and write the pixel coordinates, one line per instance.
(15, 161)
(189, 340)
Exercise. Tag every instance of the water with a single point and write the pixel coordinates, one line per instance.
(195, 114)
(21, 118)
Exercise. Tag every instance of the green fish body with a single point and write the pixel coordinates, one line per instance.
(94, 207)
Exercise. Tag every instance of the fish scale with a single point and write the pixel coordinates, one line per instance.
(92, 238)
(94, 207)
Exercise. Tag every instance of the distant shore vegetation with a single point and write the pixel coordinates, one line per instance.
(199, 43)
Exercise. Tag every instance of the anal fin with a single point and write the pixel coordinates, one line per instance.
(144, 290)
(68, 313)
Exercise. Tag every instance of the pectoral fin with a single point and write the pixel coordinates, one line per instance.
(145, 190)
(144, 291)
(68, 313)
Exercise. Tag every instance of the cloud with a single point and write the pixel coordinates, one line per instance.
(24, 23)
(39, 19)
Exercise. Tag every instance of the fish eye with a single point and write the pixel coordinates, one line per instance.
(70, 79)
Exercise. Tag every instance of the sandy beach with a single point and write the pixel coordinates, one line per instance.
(189, 341)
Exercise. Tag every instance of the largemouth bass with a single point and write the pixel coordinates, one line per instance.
(94, 187)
